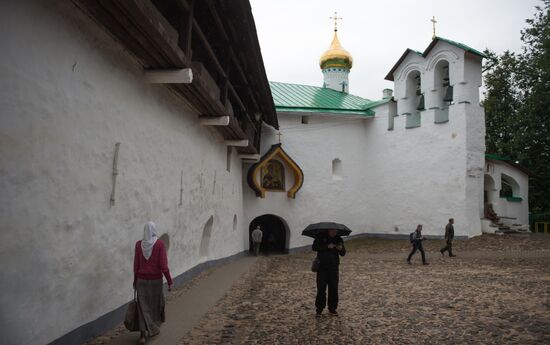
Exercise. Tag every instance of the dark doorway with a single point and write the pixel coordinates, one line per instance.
(275, 234)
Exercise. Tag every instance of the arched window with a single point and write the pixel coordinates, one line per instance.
(509, 188)
(443, 91)
(415, 99)
(205, 239)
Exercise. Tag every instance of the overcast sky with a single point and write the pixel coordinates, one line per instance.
(294, 33)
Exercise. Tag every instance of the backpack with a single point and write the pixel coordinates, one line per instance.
(411, 237)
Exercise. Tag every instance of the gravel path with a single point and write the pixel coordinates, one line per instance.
(496, 291)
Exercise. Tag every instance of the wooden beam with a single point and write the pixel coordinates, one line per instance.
(110, 16)
(250, 157)
(189, 29)
(237, 143)
(237, 64)
(169, 76)
(214, 121)
(154, 26)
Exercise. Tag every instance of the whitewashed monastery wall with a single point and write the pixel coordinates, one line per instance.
(69, 93)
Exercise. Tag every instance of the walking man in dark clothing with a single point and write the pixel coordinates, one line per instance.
(329, 248)
(449, 235)
(416, 241)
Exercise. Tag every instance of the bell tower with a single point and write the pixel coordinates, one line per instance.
(336, 63)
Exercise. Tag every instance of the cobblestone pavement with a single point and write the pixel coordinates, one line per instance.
(496, 291)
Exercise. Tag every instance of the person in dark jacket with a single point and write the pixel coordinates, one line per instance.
(449, 236)
(416, 241)
(329, 248)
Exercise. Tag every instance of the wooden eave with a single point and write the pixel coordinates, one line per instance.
(222, 51)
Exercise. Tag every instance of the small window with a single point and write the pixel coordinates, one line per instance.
(305, 120)
(337, 169)
(228, 158)
(506, 190)
(235, 222)
(391, 122)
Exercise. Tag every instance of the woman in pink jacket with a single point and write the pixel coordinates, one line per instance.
(150, 264)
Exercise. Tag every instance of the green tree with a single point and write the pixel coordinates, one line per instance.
(517, 105)
(502, 103)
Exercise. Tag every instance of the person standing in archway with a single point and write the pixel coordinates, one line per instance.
(329, 247)
(257, 236)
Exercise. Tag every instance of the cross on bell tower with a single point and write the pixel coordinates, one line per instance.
(433, 26)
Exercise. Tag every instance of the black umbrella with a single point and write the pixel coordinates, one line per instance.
(313, 230)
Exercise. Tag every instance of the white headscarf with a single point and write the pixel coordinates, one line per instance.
(149, 239)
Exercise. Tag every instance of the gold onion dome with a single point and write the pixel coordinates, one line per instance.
(336, 55)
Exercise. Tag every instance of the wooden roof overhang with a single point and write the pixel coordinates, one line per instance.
(216, 39)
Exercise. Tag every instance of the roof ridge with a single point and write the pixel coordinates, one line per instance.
(456, 44)
(309, 98)
(322, 88)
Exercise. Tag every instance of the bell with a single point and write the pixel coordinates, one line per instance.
(448, 94)
(421, 103)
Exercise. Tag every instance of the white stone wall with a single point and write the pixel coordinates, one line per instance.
(69, 93)
(391, 180)
(313, 146)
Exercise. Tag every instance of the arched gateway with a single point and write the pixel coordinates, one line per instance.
(276, 234)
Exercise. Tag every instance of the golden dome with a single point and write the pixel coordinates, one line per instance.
(336, 55)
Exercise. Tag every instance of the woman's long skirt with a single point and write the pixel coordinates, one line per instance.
(151, 302)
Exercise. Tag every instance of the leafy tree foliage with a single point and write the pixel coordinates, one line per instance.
(517, 106)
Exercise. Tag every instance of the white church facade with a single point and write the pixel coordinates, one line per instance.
(115, 115)
(382, 167)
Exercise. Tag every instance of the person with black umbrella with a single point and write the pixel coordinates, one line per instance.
(329, 247)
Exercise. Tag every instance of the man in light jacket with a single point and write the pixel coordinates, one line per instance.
(257, 236)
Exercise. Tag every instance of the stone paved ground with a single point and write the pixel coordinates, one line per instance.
(495, 292)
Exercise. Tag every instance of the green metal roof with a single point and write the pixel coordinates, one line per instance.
(313, 99)
(432, 44)
(454, 43)
(497, 157)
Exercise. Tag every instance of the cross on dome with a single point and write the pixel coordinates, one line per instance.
(336, 18)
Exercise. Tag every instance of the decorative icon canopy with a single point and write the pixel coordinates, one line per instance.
(266, 176)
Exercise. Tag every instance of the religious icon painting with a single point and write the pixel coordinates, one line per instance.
(273, 176)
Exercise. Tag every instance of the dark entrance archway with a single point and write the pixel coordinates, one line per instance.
(276, 234)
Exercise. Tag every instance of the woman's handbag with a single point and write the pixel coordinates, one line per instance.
(315, 265)
(131, 320)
